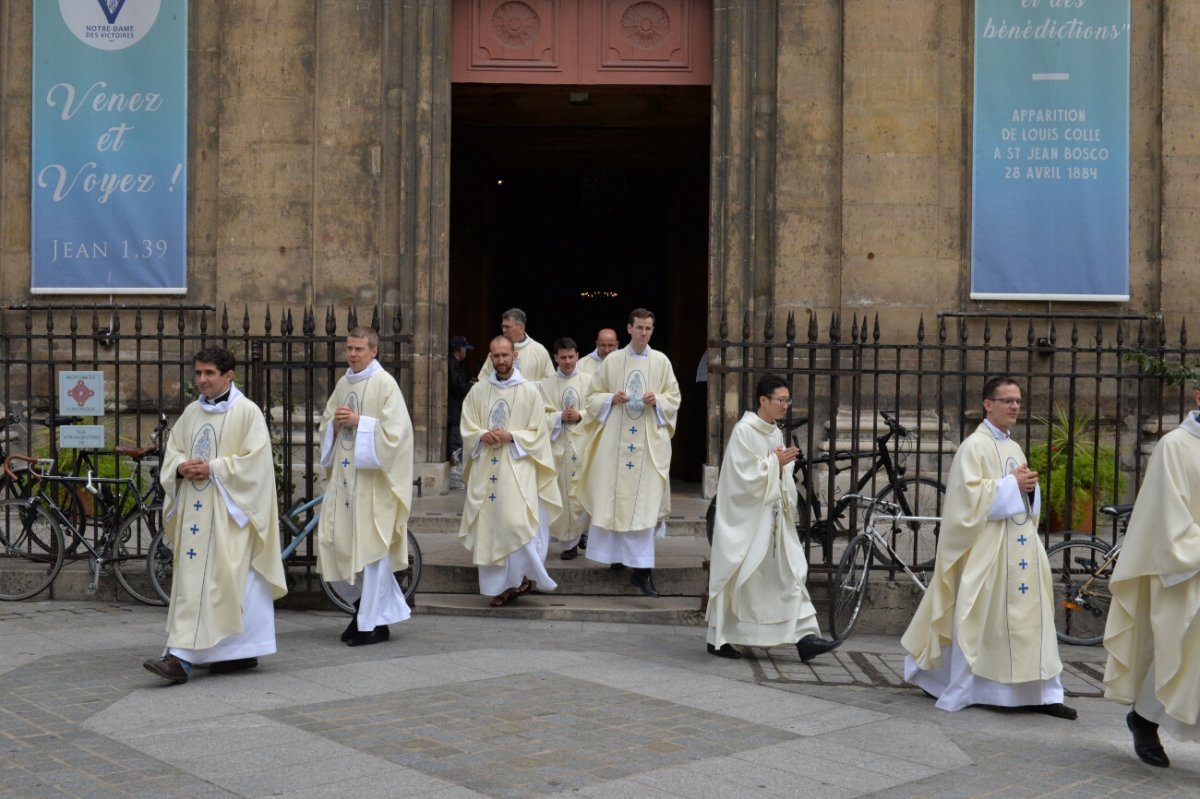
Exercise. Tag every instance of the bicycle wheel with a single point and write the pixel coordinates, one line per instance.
(915, 543)
(160, 566)
(849, 587)
(31, 549)
(133, 540)
(1080, 575)
(407, 579)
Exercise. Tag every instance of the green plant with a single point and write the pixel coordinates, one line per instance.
(1094, 472)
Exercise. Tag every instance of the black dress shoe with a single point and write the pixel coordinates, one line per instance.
(616, 567)
(583, 541)
(1145, 740)
(570, 554)
(642, 580)
(376, 636)
(228, 666)
(351, 628)
(726, 651)
(1056, 709)
(811, 645)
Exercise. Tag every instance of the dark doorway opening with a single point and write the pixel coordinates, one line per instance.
(579, 204)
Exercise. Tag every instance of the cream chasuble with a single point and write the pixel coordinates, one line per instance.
(990, 590)
(1152, 634)
(533, 362)
(756, 590)
(589, 364)
(364, 516)
(505, 483)
(568, 442)
(221, 527)
(625, 484)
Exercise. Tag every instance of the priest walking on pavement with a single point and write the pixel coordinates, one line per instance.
(367, 454)
(984, 633)
(756, 591)
(1153, 629)
(220, 509)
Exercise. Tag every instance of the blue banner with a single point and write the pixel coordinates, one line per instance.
(109, 182)
(1050, 181)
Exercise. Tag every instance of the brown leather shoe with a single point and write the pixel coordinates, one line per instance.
(169, 668)
(229, 666)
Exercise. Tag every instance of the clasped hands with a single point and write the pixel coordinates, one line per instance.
(496, 436)
(195, 469)
(1026, 478)
(786, 454)
(620, 398)
(570, 415)
(344, 417)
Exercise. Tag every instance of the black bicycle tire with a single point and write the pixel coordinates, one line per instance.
(407, 579)
(160, 565)
(848, 590)
(132, 571)
(1063, 582)
(919, 562)
(51, 554)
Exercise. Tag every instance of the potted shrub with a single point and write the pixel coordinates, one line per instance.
(1094, 474)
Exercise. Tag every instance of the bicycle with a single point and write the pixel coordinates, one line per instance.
(917, 497)
(850, 581)
(12, 428)
(1080, 569)
(294, 528)
(32, 532)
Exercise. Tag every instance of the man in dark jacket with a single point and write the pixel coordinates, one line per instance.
(458, 386)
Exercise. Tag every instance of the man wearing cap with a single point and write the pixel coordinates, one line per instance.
(458, 384)
(606, 342)
(533, 362)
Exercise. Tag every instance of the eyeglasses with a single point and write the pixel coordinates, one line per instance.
(1011, 401)
(781, 400)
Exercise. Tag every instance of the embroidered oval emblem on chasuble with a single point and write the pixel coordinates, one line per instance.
(570, 398)
(346, 438)
(499, 415)
(635, 387)
(204, 447)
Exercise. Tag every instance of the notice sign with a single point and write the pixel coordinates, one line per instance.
(1050, 182)
(81, 393)
(81, 436)
(109, 141)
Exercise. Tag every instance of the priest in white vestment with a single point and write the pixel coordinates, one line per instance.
(756, 591)
(367, 455)
(625, 485)
(1153, 629)
(222, 520)
(532, 359)
(563, 393)
(606, 343)
(511, 484)
(984, 630)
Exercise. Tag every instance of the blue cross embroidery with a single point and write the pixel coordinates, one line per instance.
(191, 553)
(1021, 539)
(572, 458)
(194, 529)
(345, 462)
(1022, 588)
(633, 431)
(492, 478)
(494, 461)
(633, 448)
(492, 497)
(1024, 563)
(347, 503)
(198, 505)
(629, 465)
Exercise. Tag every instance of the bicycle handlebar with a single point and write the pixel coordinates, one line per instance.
(18, 457)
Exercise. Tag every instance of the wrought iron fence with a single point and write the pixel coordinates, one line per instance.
(1100, 390)
(287, 367)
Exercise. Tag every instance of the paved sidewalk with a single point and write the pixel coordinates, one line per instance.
(470, 707)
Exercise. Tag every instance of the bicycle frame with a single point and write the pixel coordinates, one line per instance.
(897, 517)
(298, 534)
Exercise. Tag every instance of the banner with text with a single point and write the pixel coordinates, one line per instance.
(1050, 182)
(109, 187)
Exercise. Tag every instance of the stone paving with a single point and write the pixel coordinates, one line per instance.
(476, 707)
